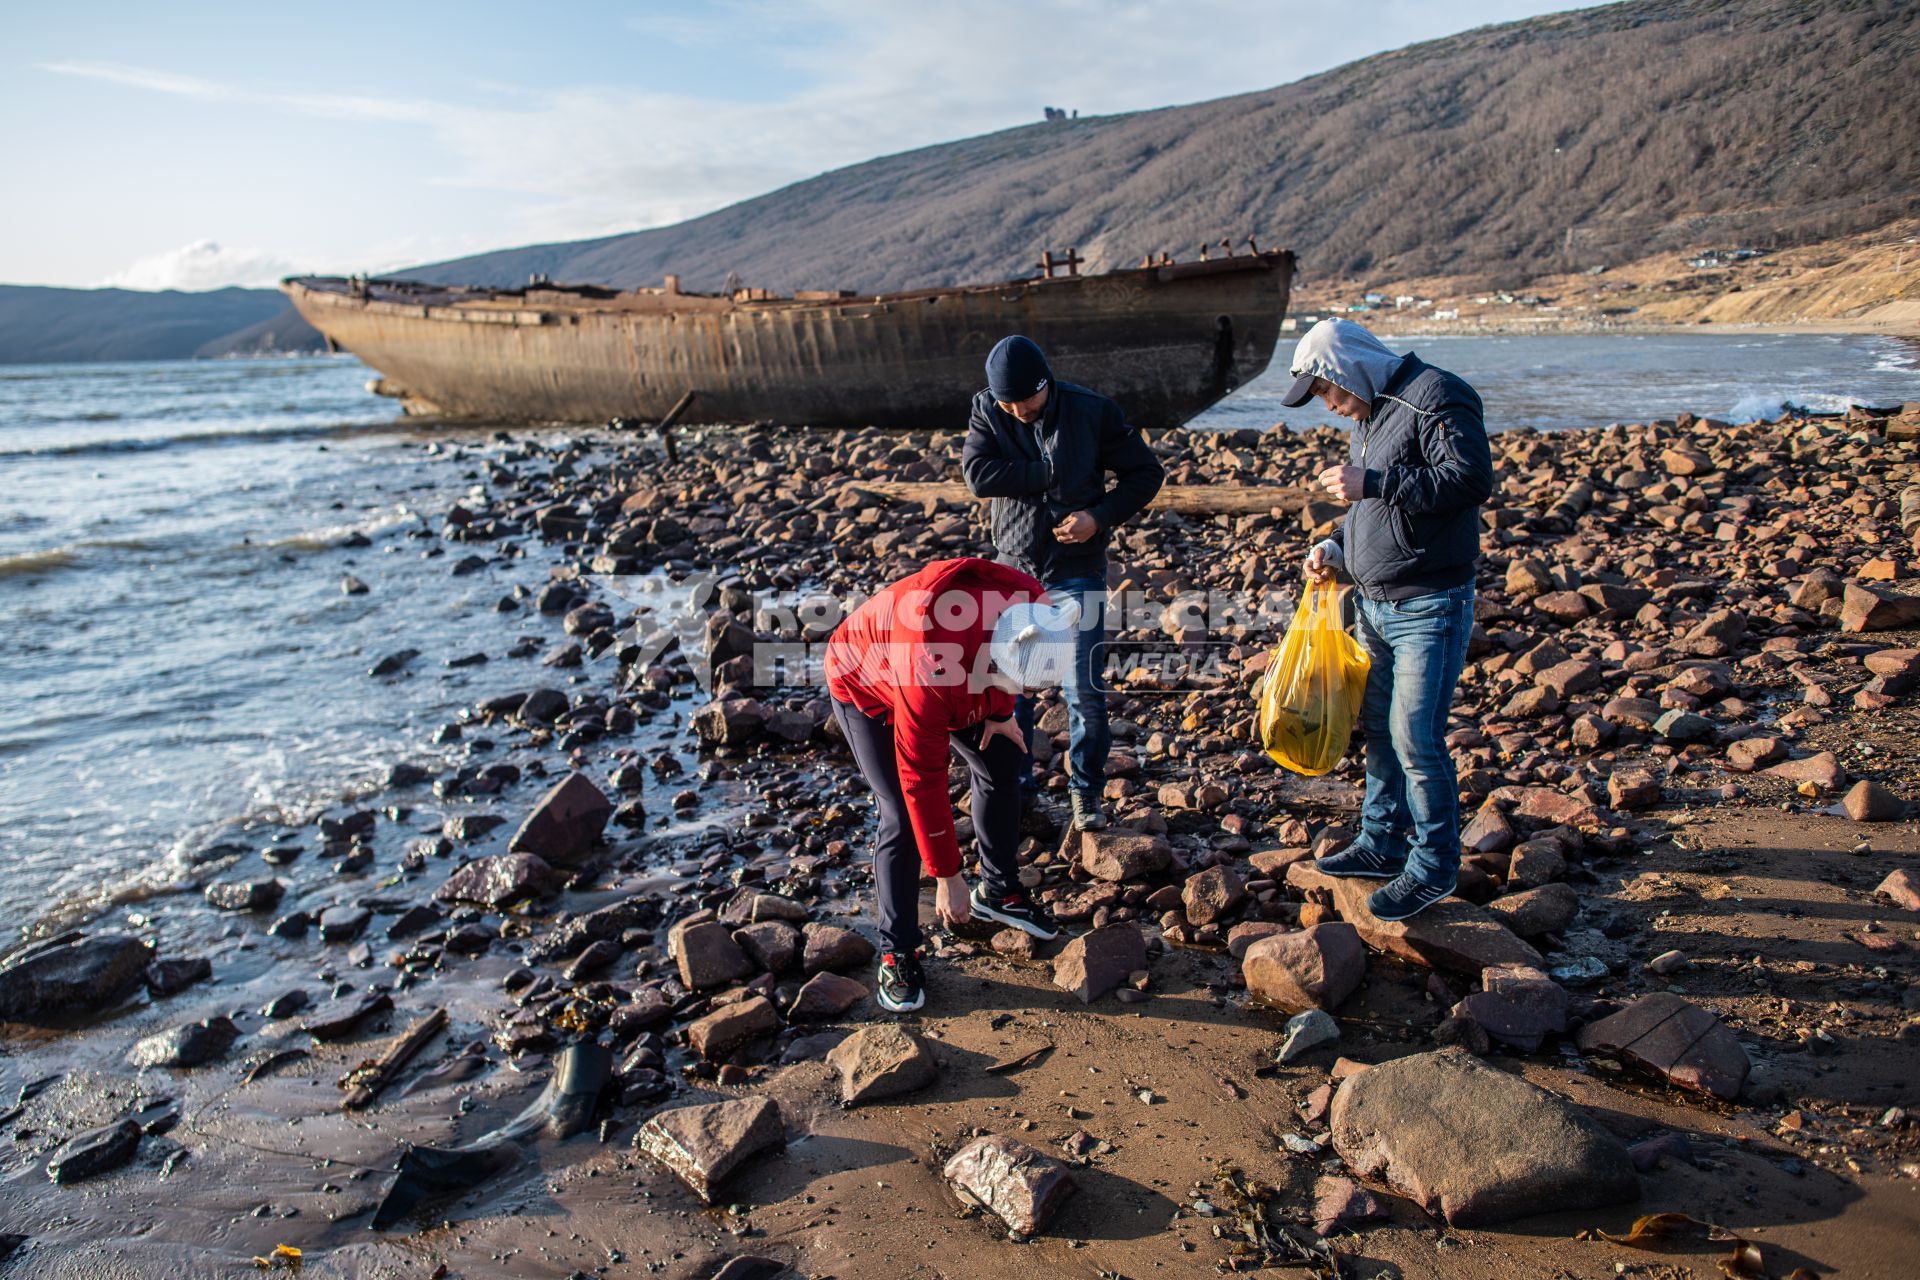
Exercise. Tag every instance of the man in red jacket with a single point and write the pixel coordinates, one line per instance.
(930, 665)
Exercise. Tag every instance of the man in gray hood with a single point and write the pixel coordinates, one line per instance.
(1417, 472)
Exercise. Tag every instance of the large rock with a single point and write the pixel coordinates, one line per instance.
(1095, 963)
(706, 953)
(881, 1061)
(730, 721)
(1473, 1144)
(344, 923)
(730, 1026)
(828, 946)
(1674, 1039)
(171, 976)
(82, 976)
(1533, 912)
(1868, 801)
(500, 881)
(703, 1144)
(1877, 609)
(1519, 1006)
(1211, 894)
(1451, 935)
(1749, 754)
(94, 1152)
(774, 945)
(1902, 888)
(1634, 788)
(193, 1045)
(245, 895)
(1121, 853)
(826, 995)
(1315, 968)
(566, 822)
(1555, 808)
(1822, 769)
(1011, 1180)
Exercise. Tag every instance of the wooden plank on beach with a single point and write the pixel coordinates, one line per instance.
(367, 1080)
(1186, 499)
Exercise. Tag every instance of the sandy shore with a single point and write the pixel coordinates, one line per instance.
(1629, 573)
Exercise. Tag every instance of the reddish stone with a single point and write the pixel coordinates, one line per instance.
(1871, 802)
(730, 1026)
(1749, 754)
(1450, 935)
(1903, 887)
(1314, 968)
(1633, 789)
(1674, 1039)
(1212, 894)
(565, 823)
(1823, 770)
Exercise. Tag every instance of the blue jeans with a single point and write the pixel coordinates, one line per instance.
(1084, 689)
(1417, 647)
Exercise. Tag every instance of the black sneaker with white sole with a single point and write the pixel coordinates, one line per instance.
(1404, 899)
(901, 985)
(1015, 909)
(1361, 860)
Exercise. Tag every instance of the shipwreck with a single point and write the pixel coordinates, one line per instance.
(1164, 339)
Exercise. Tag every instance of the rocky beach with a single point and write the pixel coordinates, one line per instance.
(582, 985)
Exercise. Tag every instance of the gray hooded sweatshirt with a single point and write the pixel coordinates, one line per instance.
(1348, 356)
(1424, 455)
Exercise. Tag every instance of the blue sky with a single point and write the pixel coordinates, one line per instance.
(196, 145)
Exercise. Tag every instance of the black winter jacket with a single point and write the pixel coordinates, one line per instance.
(1036, 474)
(1428, 468)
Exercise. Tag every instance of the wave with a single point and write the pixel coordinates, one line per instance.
(328, 537)
(148, 444)
(31, 562)
(199, 855)
(1769, 406)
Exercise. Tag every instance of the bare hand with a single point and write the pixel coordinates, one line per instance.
(950, 902)
(1008, 729)
(1078, 527)
(1345, 483)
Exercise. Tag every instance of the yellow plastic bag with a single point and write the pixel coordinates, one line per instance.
(1313, 686)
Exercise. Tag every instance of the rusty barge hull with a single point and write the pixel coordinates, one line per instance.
(1166, 342)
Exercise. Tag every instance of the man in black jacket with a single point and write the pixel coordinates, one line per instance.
(1040, 450)
(1418, 470)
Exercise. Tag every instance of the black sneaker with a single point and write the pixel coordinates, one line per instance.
(1403, 899)
(1361, 860)
(1086, 811)
(902, 987)
(1014, 909)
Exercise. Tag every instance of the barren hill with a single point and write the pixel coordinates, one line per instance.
(1506, 152)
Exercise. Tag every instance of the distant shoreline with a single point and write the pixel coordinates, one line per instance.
(1904, 329)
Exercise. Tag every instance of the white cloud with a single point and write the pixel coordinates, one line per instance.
(879, 78)
(202, 265)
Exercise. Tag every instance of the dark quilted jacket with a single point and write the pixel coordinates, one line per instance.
(1035, 474)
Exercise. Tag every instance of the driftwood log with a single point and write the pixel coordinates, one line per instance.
(368, 1080)
(1187, 500)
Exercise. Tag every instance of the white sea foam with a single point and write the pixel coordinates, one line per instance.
(1769, 406)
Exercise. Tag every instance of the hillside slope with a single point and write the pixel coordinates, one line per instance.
(1508, 152)
(49, 326)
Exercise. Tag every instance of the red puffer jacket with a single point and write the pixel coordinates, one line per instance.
(915, 656)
